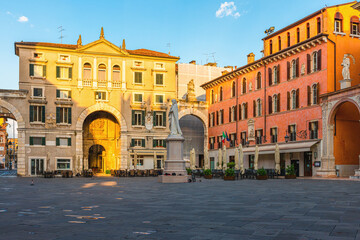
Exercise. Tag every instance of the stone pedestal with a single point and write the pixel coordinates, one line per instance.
(327, 167)
(175, 163)
(346, 83)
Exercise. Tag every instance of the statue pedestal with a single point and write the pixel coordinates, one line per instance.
(346, 83)
(175, 163)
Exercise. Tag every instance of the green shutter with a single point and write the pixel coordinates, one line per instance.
(164, 141)
(70, 73)
(31, 113)
(132, 142)
(133, 117)
(43, 114)
(44, 71)
(69, 141)
(31, 141)
(154, 143)
(57, 72)
(154, 118)
(69, 94)
(69, 115)
(164, 119)
(43, 141)
(143, 118)
(143, 142)
(31, 70)
(57, 141)
(57, 93)
(57, 114)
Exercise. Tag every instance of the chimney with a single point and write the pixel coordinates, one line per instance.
(230, 67)
(211, 64)
(250, 58)
(193, 62)
(224, 72)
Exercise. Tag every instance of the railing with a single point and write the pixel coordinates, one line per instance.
(102, 83)
(87, 82)
(116, 84)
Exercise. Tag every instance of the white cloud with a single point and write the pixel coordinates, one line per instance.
(227, 9)
(8, 13)
(23, 19)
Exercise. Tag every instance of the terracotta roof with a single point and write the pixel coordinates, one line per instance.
(45, 44)
(146, 52)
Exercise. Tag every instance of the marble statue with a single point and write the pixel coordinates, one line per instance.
(346, 67)
(174, 120)
(191, 97)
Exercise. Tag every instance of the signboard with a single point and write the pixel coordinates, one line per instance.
(1, 148)
(317, 164)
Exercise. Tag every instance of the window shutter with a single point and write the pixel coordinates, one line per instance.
(57, 141)
(43, 114)
(278, 103)
(43, 141)
(254, 108)
(246, 110)
(57, 72)
(31, 70)
(308, 60)
(31, 141)
(143, 118)
(318, 93)
(132, 117)
(31, 113)
(69, 115)
(70, 73)
(235, 113)
(164, 119)
(69, 94)
(154, 118)
(270, 76)
(309, 95)
(69, 141)
(288, 100)
(297, 98)
(143, 142)
(278, 73)
(57, 93)
(209, 119)
(217, 118)
(309, 126)
(270, 105)
(57, 114)
(44, 71)
(297, 67)
(319, 60)
(154, 143)
(288, 71)
(240, 117)
(132, 142)
(229, 114)
(164, 141)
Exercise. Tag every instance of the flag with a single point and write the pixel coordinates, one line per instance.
(227, 137)
(223, 137)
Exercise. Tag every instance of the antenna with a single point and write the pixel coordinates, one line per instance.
(270, 30)
(210, 55)
(168, 45)
(61, 33)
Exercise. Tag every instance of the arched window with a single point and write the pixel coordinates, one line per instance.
(116, 73)
(258, 80)
(293, 99)
(308, 30)
(102, 72)
(293, 69)
(279, 43)
(314, 94)
(220, 94)
(233, 89)
(87, 71)
(244, 86)
(258, 108)
(271, 47)
(354, 21)
(298, 35)
(318, 25)
(275, 75)
(338, 22)
(1, 139)
(212, 97)
(288, 39)
(275, 103)
(314, 62)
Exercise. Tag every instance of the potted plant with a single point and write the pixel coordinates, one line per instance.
(261, 174)
(208, 174)
(231, 165)
(290, 172)
(189, 171)
(229, 174)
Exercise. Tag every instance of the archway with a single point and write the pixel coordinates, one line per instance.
(194, 133)
(101, 131)
(345, 124)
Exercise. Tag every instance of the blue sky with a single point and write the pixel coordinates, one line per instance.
(192, 27)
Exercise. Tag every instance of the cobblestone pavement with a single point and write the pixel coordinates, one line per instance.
(141, 208)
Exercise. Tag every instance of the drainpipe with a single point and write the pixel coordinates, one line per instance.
(265, 103)
(237, 113)
(334, 62)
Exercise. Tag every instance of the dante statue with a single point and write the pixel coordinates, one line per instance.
(174, 120)
(346, 68)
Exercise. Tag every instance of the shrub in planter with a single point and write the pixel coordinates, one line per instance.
(231, 165)
(189, 171)
(261, 174)
(208, 174)
(290, 172)
(229, 174)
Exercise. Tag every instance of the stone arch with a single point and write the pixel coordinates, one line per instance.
(21, 168)
(337, 106)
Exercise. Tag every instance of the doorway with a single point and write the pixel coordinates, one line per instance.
(308, 164)
(296, 166)
(37, 166)
(201, 160)
(97, 158)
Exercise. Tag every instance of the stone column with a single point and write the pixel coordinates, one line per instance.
(328, 159)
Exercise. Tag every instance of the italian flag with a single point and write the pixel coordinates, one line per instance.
(223, 137)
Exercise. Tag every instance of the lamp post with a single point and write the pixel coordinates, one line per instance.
(287, 137)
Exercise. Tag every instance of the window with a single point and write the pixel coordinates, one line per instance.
(212, 142)
(63, 94)
(116, 73)
(233, 89)
(243, 138)
(159, 79)
(159, 65)
(221, 116)
(232, 139)
(354, 21)
(276, 73)
(220, 94)
(271, 47)
(338, 22)
(293, 69)
(288, 39)
(274, 103)
(212, 100)
(138, 118)
(87, 71)
(313, 94)
(244, 86)
(212, 119)
(258, 80)
(100, 96)
(308, 30)
(274, 135)
(63, 72)
(159, 143)
(159, 99)
(293, 99)
(37, 70)
(37, 141)
(139, 160)
(232, 114)
(37, 114)
(219, 140)
(244, 111)
(318, 26)
(138, 97)
(314, 62)
(102, 72)
(258, 108)
(62, 141)
(63, 164)
(159, 160)
(37, 166)
(138, 64)
(138, 78)
(259, 136)
(159, 119)
(38, 92)
(63, 115)
(313, 128)
(292, 132)
(64, 58)
(298, 35)
(137, 142)
(279, 43)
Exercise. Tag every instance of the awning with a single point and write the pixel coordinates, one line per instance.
(292, 147)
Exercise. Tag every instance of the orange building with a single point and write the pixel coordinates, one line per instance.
(276, 99)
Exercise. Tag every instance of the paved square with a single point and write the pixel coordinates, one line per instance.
(141, 208)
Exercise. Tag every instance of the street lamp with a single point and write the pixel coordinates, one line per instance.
(287, 137)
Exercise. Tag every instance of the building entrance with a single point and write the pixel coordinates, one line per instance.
(97, 156)
(308, 164)
(296, 166)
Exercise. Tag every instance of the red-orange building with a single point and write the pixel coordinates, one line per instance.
(276, 99)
